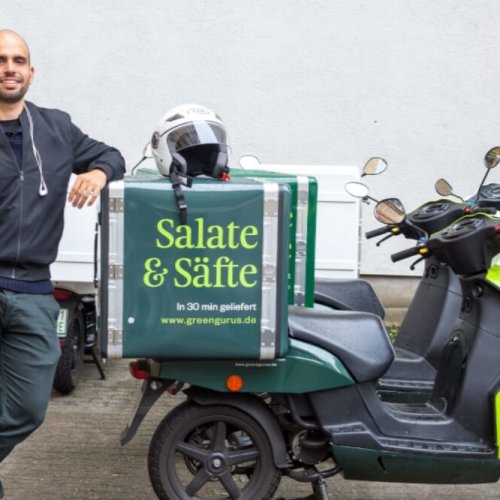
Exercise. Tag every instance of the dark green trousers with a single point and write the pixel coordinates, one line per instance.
(29, 352)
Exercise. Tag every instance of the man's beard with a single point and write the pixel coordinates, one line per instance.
(14, 97)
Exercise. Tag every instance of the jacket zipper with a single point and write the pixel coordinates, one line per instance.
(20, 234)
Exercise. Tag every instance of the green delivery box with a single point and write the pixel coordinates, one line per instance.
(213, 288)
(302, 243)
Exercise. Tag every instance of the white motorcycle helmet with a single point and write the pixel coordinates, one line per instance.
(190, 140)
(193, 138)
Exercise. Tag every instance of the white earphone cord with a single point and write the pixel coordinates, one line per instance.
(42, 191)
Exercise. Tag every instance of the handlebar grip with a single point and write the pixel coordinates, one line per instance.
(484, 210)
(378, 232)
(404, 254)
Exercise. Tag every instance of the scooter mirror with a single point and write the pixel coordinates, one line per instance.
(146, 152)
(357, 189)
(443, 187)
(374, 166)
(492, 157)
(390, 211)
(249, 162)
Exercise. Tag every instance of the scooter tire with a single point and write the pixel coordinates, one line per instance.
(70, 364)
(211, 451)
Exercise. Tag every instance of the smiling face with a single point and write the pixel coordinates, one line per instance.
(16, 72)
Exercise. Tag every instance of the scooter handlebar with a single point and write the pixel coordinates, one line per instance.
(484, 210)
(378, 232)
(405, 254)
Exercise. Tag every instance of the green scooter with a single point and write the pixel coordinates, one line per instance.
(315, 412)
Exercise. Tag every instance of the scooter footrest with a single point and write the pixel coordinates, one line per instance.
(414, 446)
(416, 411)
(406, 354)
(405, 385)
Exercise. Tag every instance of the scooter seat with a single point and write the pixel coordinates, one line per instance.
(358, 339)
(347, 295)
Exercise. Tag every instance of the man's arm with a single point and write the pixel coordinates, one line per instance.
(96, 164)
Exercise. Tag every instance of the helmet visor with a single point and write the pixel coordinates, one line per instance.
(194, 134)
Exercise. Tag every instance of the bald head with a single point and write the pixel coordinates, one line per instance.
(7, 36)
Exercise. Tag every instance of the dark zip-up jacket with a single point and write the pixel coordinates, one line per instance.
(31, 225)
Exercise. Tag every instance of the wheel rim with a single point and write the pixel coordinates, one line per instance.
(216, 459)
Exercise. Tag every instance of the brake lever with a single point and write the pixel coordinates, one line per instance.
(418, 261)
(383, 239)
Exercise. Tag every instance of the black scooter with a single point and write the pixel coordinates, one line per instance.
(436, 303)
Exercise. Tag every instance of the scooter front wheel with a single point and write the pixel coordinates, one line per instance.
(211, 452)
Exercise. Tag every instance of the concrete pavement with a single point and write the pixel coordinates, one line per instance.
(76, 453)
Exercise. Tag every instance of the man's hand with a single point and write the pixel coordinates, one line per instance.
(87, 187)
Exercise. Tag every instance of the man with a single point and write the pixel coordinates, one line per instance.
(39, 149)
